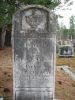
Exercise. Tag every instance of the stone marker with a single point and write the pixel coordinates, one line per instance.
(33, 35)
(66, 51)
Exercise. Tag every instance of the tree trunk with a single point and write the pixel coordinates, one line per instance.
(3, 34)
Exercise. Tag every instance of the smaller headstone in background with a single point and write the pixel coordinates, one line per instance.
(66, 50)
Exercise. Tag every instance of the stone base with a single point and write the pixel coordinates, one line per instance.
(55, 99)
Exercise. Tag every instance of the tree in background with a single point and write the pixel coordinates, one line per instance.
(72, 27)
(63, 32)
(67, 33)
(6, 11)
(8, 7)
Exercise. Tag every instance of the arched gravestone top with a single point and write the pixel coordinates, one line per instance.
(44, 24)
(33, 36)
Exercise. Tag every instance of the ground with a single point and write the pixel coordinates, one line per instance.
(6, 79)
(70, 61)
(65, 86)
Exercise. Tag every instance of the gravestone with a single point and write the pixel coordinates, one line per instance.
(33, 36)
(66, 51)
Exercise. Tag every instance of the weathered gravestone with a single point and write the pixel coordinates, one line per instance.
(66, 51)
(33, 36)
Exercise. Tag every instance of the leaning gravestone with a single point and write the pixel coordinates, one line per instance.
(33, 35)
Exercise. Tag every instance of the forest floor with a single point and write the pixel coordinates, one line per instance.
(64, 87)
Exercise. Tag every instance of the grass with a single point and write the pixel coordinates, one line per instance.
(70, 61)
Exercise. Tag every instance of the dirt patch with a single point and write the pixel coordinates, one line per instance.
(65, 86)
(66, 61)
(6, 57)
(6, 82)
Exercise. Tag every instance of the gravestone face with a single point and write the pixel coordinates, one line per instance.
(33, 35)
(66, 50)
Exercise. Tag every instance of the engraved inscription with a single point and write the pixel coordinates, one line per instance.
(36, 63)
(21, 95)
